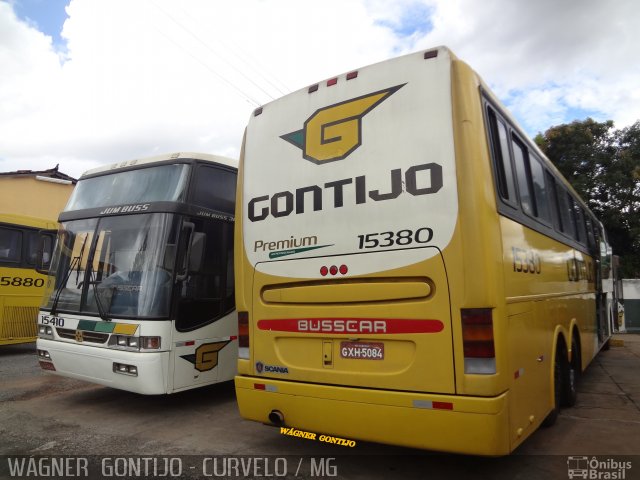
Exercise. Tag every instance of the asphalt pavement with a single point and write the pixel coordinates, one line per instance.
(46, 415)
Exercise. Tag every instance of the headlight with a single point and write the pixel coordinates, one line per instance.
(131, 370)
(45, 331)
(135, 343)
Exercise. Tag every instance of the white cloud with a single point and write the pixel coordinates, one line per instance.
(587, 50)
(151, 76)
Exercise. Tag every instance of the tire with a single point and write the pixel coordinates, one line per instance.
(572, 372)
(558, 378)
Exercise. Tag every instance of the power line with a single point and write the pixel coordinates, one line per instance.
(249, 61)
(243, 94)
(197, 38)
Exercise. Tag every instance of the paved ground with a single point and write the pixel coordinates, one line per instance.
(41, 414)
(606, 417)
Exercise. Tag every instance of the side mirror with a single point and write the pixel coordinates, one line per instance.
(192, 260)
(198, 243)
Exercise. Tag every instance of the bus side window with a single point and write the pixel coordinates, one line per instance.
(502, 159)
(10, 245)
(591, 239)
(44, 250)
(554, 203)
(523, 174)
(581, 230)
(573, 220)
(32, 245)
(565, 212)
(540, 190)
(215, 189)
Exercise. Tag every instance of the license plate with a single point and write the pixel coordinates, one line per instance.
(362, 350)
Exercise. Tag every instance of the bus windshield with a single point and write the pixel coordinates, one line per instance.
(152, 184)
(121, 266)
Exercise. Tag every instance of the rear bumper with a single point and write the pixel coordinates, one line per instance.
(93, 364)
(472, 425)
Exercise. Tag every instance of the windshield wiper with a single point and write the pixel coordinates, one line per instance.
(75, 264)
(95, 283)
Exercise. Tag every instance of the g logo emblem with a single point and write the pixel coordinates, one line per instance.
(207, 355)
(334, 132)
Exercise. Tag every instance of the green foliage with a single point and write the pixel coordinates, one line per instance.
(603, 166)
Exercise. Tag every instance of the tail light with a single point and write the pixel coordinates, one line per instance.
(243, 335)
(477, 340)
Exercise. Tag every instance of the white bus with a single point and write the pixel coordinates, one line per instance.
(140, 293)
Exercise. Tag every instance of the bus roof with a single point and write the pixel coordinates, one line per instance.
(161, 158)
(27, 221)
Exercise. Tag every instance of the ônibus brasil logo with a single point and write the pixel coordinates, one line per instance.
(334, 132)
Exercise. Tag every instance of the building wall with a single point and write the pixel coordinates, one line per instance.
(36, 198)
(631, 293)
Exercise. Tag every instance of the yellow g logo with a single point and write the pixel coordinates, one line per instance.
(334, 132)
(207, 355)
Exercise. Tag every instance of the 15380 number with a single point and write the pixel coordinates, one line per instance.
(389, 239)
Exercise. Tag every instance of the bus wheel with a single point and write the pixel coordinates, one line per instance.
(558, 388)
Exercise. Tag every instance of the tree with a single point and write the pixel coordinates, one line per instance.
(603, 166)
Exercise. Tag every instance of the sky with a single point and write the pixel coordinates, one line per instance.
(85, 83)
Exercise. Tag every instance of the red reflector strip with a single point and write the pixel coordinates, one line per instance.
(442, 405)
(352, 75)
(233, 337)
(332, 82)
(189, 343)
(433, 405)
(352, 325)
(265, 387)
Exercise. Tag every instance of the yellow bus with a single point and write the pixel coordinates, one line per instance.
(21, 286)
(410, 268)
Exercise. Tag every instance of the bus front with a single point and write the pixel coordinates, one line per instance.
(140, 289)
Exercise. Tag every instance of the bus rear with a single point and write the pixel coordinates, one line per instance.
(347, 203)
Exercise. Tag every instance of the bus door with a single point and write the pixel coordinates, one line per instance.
(205, 321)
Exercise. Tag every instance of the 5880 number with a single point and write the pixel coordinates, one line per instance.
(21, 282)
(390, 239)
